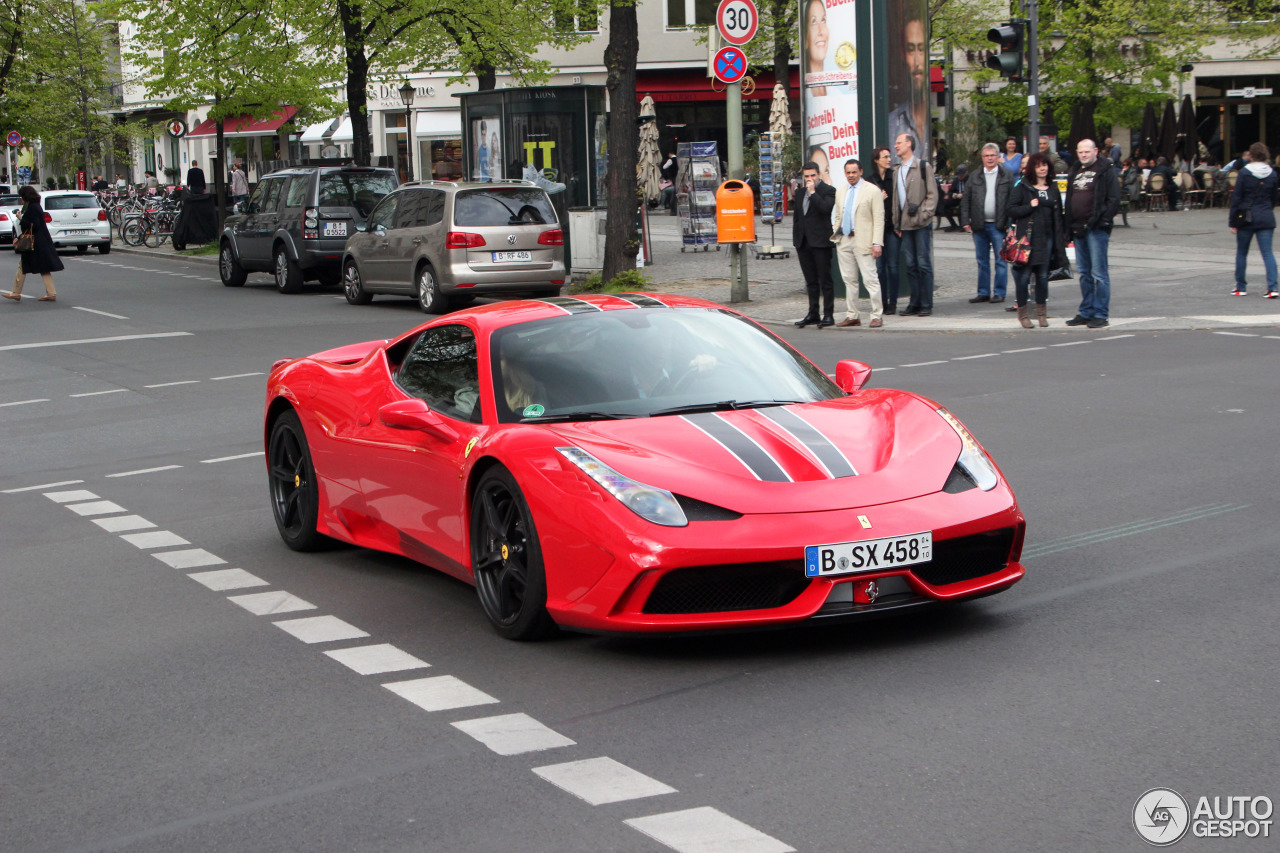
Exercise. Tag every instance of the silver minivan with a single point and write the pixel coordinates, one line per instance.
(443, 243)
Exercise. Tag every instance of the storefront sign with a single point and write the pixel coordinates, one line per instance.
(177, 128)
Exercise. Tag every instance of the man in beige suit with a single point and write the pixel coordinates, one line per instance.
(857, 222)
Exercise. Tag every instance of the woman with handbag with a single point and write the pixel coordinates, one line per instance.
(1034, 241)
(34, 247)
(1252, 215)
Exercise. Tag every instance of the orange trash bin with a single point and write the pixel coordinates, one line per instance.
(735, 213)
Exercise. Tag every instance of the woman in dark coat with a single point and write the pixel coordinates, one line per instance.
(42, 258)
(880, 175)
(1252, 216)
(1035, 204)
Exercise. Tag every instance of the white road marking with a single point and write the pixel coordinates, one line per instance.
(169, 384)
(235, 376)
(99, 393)
(1024, 349)
(25, 402)
(1071, 344)
(270, 603)
(1272, 337)
(1238, 334)
(440, 693)
(372, 660)
(1115, 337)
(979, 355)
(602, 780)
(145, 471)
(706, 830)
(96, 508)
(229, 458)
(220, 580)
(513, 734)
(119, 523)
(922, 363)
(96, 311)
(154, 539)
(96, 340)
(192, 558)
(41, 486)
(321, 629)
(68, 497)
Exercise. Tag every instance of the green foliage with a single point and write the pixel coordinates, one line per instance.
(627, 281)
(966, 131)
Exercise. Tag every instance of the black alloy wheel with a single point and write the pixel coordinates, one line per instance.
(506, 559)
(295, 497)
(352, 287)
(229, 269)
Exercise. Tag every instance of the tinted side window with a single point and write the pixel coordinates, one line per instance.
(271, 194)
(411, 207)
(298, 191)
(358, 189)
(434, 213)
(384, 215)
(515, 206)
(441, 369)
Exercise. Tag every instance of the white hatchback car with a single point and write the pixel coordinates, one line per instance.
(76, 219)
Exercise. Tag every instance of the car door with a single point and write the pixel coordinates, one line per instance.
(404, 238)
(375, 260)
(411, 485)
(261, 224)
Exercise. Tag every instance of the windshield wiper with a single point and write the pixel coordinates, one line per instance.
(722, 406)
(576, 416)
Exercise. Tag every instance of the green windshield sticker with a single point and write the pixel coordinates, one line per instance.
(534, 411)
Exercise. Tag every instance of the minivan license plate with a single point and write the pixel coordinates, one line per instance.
(335, 229)
(869, 555)
(509, 257)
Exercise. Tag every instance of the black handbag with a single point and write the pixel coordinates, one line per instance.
(1062, 273)
(1242, 218)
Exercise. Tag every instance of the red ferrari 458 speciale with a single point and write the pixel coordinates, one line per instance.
(636, 463)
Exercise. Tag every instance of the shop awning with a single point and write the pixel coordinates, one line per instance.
(316, 133)
(243, 125)
(343, 133)
(439, 124)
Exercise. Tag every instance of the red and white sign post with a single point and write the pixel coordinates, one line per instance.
(736, 21)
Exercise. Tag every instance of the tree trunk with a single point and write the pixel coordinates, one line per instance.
(781, 46)
(223, 167)
(621, 241)
(486, 76)
(357, 82)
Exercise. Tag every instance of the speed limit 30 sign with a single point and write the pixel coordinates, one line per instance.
(737, 21)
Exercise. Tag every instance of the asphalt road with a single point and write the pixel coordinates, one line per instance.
(143, 710)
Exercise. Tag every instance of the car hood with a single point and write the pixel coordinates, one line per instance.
(873, 447)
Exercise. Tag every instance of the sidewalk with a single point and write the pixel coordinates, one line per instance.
(1170, 270)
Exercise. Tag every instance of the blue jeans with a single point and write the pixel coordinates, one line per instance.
(987, 242)
(1095, 280)
(917, 246)
(1244, 236)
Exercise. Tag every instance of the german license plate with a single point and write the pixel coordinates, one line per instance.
(335, 229)
(76, 232)
(511, 257)
(869, 555)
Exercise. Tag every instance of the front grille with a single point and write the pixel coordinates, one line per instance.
(966, 557)
(719, 589)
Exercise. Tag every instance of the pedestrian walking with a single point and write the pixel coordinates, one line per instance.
(42, 257)
(857, 222)
(881, 175)
(811, 236)
(1252, 215)
(195, 178)
(1035, 211)
(915, 194)
(984, 212)
(239, 185)
(1093, 198)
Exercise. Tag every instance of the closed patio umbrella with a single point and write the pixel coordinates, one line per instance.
(1168, 144)
(1082, 124)
(649, 156)
(1146, 146)
(1188, 143)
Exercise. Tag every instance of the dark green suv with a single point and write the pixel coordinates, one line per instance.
(296, 223)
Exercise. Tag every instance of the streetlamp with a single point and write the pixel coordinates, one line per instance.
(406, 97)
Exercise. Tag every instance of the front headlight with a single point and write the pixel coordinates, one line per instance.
(651, 504)
(972, 458)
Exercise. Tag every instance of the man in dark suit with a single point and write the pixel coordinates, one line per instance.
(811, 236)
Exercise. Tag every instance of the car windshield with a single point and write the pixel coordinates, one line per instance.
(502, 206)
(645, 362)
(358, 189)
(69, 202)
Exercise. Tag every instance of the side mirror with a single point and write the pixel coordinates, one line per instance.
(362, 226)
(415, 414)
(852, 375)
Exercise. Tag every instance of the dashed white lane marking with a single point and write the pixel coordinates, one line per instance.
(320, 629)
(513, 734)
(68, 497)
(1071, 344)
(25, 403)
(169, 384)
(979, 355)
(922, 363)
(95, 340)
(96, 311)
(1024, 349)
(374, 660)
(145, 471)
(602, 780)
(269, 603)
(121, 523)
(235, 376)
(229, 458)
(39, 487)
(96, 508)
(1237, 334)
(220, 580)
(706, 830)
(154, 539)
(100, 393)
(1115, 337)
(192, 558)
(440, 693)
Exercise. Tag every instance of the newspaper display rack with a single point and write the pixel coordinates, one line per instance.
(771, 191)
(696, 184)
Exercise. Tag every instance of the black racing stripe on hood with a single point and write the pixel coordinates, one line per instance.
(641, 301)
(568, 303)
(737, 442)
(831, 457)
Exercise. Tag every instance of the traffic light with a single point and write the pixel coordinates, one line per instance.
(1010, 37)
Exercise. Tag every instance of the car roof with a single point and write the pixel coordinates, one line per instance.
(47, 193)
(313, 170)
(470, 185)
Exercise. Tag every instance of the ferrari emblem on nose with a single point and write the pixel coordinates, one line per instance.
(511, 239)
(865, 522)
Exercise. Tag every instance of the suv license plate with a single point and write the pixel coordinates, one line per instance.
(335, 229)
(509, 257)
(869, 555)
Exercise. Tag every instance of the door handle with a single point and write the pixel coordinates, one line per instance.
(417, 241)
